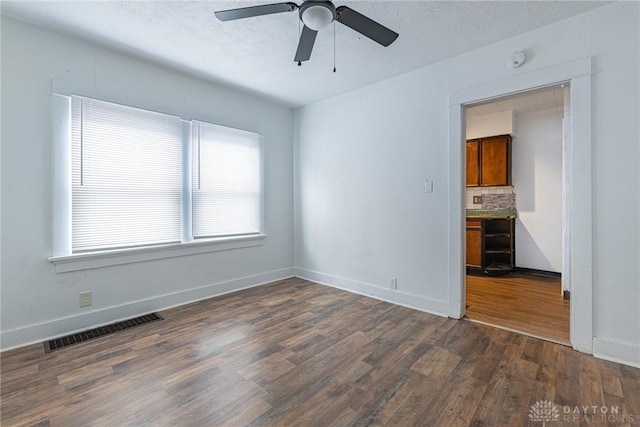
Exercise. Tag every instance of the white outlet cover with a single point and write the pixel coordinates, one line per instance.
(86, 299)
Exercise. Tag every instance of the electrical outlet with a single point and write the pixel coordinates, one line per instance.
(86, 299)
(477, 200)
(393, 282)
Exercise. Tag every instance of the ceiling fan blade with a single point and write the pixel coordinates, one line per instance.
(248, 12)
(305, 45)
(365, 26)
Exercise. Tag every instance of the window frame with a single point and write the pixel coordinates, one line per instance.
(196, 126)
(126, 176)
(62, 256)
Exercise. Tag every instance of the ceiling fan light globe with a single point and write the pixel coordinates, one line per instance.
(317, 17)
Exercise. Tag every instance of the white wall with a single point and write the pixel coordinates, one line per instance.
(38, 303)
(500, 123)
(361, 214)
(537, 178)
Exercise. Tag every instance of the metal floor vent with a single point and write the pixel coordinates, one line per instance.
(90, 334)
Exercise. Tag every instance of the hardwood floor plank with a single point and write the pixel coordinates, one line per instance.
(411, 410)
(346, 418)
(295, 353)
(454, 403)
(530, 304)
(224, 401)
(374, 401)
(460, 406)
(327, 404)
(517, 396)
(308, 378)
(567, 377)
(590, 382)
(488, 410)
(547, 363)
(487, 364)
(269, 368)
(135, 413)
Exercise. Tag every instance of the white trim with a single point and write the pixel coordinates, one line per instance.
(616, 351)
(566, 184)
(90, 260)
(68, 88)
(186, 195)
(392, 296)
(39, 332)
(578, 73)
(579, 207)
(548, 76)
(263, 187)
(457, 256)
(61, 166)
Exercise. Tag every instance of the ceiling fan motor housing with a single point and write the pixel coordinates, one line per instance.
(317, 14)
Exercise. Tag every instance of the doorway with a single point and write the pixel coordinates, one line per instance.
(578, 195)
(514, 227)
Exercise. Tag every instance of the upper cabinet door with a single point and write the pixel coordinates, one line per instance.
(473, 163)
(496, 161)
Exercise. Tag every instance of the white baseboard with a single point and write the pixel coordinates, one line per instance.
(393, 296)
(603, 348)
(38, 332)
(616, 351)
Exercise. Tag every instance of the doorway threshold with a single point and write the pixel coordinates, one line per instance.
(561, 342)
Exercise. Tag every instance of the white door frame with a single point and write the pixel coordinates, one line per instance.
(578, 192)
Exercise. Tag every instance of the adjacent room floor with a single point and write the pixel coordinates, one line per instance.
(295, 353)
(525, 303)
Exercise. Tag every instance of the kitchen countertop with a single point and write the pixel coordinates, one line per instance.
(491, 214)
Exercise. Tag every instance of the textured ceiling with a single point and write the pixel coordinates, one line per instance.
(257, 53)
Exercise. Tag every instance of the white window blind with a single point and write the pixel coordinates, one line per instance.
(226, 181)
(126, 176)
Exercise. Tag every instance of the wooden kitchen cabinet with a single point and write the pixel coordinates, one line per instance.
(473, 163)
(491, 245)
(474, 243)
(489, 161)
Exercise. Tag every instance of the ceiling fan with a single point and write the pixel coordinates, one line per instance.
(316, 15)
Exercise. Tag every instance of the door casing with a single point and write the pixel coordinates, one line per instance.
(578, 188)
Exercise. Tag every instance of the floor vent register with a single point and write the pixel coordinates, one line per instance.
(77, 338)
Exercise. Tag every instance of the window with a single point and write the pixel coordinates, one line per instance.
(126, 176)
(127, 179)
(226, 181)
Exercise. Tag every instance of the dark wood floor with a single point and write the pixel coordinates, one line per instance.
(520, 302)
(295, 353)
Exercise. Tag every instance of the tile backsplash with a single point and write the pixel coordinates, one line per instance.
(498, 201)
(492, 198)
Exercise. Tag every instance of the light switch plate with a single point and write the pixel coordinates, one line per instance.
(477, 200)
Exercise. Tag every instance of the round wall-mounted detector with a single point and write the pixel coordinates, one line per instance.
(516, 59)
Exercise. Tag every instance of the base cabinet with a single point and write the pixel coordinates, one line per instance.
(491, 245)
(474, 243)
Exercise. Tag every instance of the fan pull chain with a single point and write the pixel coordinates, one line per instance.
(334, 46)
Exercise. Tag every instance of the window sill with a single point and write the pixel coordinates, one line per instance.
(90, 260)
